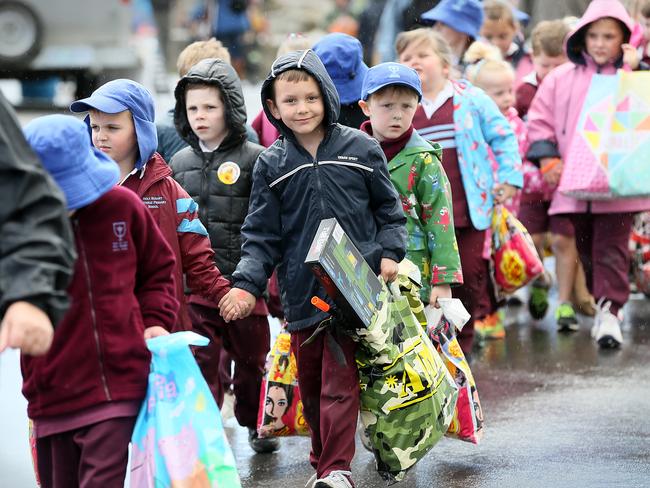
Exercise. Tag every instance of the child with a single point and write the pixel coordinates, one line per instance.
(342, 56)
(644, 20)
(121, 120)
(602, 228)
(169, 141)
(501, 29)
(85, 394)
(390, 95)
(459, 23)
(547, 40)
(266, 131)
(468, 124)
(316, 170)
(216, 169)
(37, 250)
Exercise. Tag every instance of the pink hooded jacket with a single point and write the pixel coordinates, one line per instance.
(555, 110)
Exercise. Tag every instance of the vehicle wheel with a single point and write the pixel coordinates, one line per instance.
(21, 33)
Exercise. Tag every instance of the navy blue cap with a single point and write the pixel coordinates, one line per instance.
(386, 74)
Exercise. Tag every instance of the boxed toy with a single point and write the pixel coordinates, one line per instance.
(343, 272)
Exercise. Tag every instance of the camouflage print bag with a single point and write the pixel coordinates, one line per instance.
(408, 404)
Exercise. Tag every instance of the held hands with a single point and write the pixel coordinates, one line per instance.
(388, 270)
(154, 331)
(439, 291)
(551, 169)
(503, 192)
(236, 304)
(26, 327)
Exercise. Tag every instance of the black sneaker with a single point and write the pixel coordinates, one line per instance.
(262, 445)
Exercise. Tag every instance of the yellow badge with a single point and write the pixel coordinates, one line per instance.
(228, 173)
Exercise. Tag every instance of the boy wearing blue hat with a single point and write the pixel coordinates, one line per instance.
(121, 120)
(458, 22)
(317, 169)
(342, 56)
(390, 96)
(85, 394)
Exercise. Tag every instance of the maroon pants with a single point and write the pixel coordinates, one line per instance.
(92, 456)
(475, 292)
(602, 242)
(330, 397)
(248, 342)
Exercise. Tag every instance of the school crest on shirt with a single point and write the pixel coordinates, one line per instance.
(119, 231)
(228, 173)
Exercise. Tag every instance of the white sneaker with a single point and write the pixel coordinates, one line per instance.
(335, 479)
(311, 481)
(607, 327)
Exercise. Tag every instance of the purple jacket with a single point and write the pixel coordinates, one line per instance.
(554, 112)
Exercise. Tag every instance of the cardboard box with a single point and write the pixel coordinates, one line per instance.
(343, 272)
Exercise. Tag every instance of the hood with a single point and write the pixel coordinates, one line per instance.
(218, 73)
(310, 62)
(119, 95)
(597, 9)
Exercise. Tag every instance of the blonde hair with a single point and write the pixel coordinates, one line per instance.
(293, 42)
(430, 38)
(500, 11)
(548, 37)
(198, 51)
(483, 60)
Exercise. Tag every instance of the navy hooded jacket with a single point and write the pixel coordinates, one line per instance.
(292, 192)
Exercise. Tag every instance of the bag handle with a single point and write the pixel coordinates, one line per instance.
(175, 341)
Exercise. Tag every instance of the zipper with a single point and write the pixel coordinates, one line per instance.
(204, 195)
(82, 254)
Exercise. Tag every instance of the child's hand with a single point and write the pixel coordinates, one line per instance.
(154, 331)
(26, 327)
(388, 270)
(503, 191)
(439, 291)
(551, 170)
(630, 56)
(236, 304)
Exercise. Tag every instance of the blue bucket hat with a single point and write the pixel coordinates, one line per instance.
(465, 16)
(342, 56)
(119, 95)
(386, 74)
(63, 145)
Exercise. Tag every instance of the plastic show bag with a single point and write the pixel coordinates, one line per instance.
(444, 325)
(280, 411)
(408, 404)
(514, 261)
(178, 439)
(607, 157)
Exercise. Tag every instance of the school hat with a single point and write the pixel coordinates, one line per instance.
(119, 95)
(342, 56)
(465, 16)
(63, 145)
(386, 74)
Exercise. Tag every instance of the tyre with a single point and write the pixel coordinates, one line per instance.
(21, 32)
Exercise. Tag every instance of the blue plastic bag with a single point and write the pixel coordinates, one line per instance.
(178, 439)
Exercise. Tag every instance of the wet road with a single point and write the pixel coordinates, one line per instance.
(558, 412)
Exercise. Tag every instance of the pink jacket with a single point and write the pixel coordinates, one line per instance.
(555, 110)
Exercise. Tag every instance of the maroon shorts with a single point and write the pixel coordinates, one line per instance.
(535, 217)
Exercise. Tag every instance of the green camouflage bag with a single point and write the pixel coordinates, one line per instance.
(407, 404)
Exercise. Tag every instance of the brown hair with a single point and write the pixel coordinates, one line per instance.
(644, 10)
(198, 51)
(431, 38)
(499, 11)
(548, 37)
(291, 76)
(395, 89)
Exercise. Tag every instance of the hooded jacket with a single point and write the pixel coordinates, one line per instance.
(36, 248)
(292, 192)
(223, 206)
(119, 288)
(554, 112)
(175, 212)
